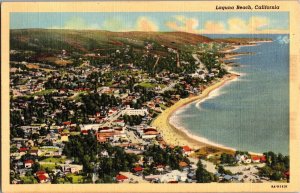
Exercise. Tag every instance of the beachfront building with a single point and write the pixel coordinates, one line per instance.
(187, 150)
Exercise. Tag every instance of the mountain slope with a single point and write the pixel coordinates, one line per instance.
(89, 40)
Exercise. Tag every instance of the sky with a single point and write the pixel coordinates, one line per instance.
(193, 22)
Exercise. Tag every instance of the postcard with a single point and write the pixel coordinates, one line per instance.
(150, 96)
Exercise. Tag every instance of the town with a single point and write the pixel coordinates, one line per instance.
(85, 117)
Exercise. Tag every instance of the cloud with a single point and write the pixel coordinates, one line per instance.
(145, 24)
(211, 26)
(233, 25)
(183, 23)
(253, 25)
(111, 24)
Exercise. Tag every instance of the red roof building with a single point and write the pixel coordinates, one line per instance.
(23, 149)
(105, 135)
(149, 129)
(84, 132)
(29, 162)
(256, 159)
(186, 148)
(137, 169)
(40, 173)
(151, 133)
(67, 123)
(121, 178)
(42, 178)
(287, 174)
(263, 159)
(183, 164)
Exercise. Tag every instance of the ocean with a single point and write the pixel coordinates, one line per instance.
(250, 113)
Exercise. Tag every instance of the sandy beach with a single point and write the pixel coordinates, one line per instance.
(180, 136)
(176, 136)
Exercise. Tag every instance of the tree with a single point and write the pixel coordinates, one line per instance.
(227, 159)
(35, 167)
(276, 176)
(202, 175)
(276, 165)
(222, 170)
(43, 131)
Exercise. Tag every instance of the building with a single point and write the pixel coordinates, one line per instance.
(28, 163)
(132, 111)
(72, 168)
(121, 178)
(103, 137)
(186, 150)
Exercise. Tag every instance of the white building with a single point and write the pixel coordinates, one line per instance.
(132, 111)
(87, 127)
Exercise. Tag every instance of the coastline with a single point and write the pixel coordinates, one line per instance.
(180, 136)
(176, 136)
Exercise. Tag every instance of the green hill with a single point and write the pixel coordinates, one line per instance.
(89, 40)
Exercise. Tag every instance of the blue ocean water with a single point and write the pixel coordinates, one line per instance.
(251, 113)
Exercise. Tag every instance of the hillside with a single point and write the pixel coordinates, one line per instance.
(88, 40)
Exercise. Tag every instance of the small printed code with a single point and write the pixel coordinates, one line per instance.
(279, 186)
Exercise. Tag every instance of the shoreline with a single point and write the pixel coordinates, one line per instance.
(173, 135)
(180, 136)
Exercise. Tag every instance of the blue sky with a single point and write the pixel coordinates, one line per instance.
(194, 22)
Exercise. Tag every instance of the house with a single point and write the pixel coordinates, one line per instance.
(287, 175)
(183, 164)
(186, 150)
(121, 178)
(120, 123)
(256, 159)
(243, 159)
(74, 169)
(42, 176)
(67, 123)
(160, 168)
(191, 175)
(28, 163)
(227, 178)
(173, 177)
(16, 181)
(104, 153)
(23, 150)
(105, 136)
(263, 159)
(22, 172)
(137, 169)
(64, 137)
(247, 161)
(84, 132)
(34, 152)
(152, 177)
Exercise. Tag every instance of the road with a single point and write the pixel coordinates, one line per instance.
(169, 87)
(112, 118)
(201, 65)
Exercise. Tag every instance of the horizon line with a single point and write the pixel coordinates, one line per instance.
(150, 31)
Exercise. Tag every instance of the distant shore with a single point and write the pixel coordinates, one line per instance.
(178, 136)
